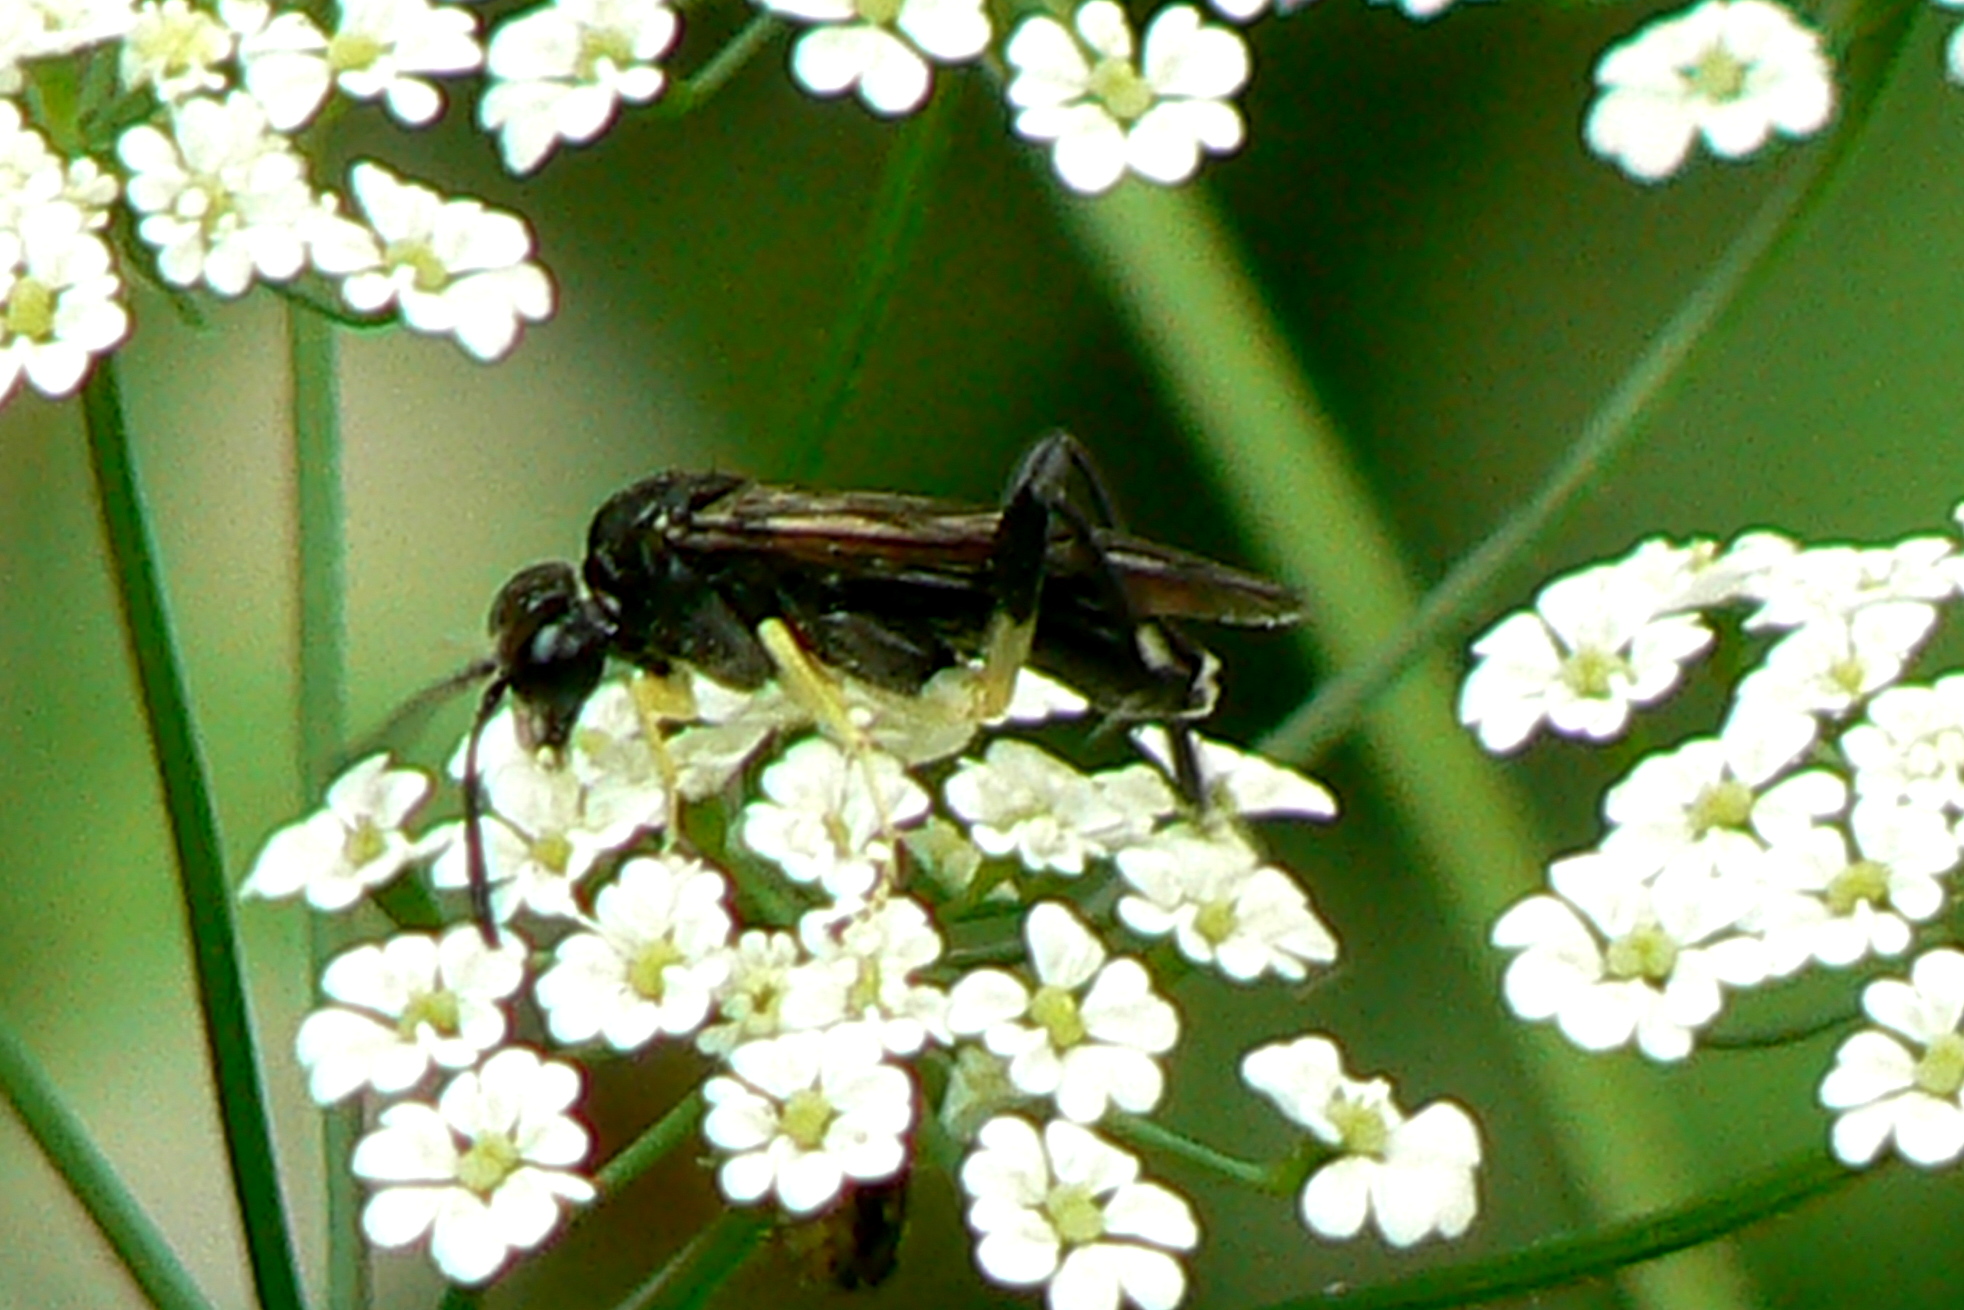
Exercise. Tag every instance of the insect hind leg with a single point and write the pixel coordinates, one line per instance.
(1037, 502)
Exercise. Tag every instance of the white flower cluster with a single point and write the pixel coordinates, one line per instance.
(1818, 827)
(817, 1014)
(58, 286)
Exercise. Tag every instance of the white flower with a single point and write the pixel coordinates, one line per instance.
(1104, 115)
(1244, 783)
(1223, 906)
(1910, 746)
(543, 830)
(497, 1193)
(1039, 698)
(1595, 644)
(1828, 665)
(1088, 1033)
(830, 815)
(558, 72)
(30, 173)
(875, 950)
(1715, 804)
(1615, 954)
(1834, 582)
(224, 198)
(1886, 1088)
(773, 987)
(1733, 71)
(732, 726)
(378, 50)
(1068, 1209)
(406, 1004)
(453, 267)
(1823, 906)
(355, 842)
(875, 46)
(176, 49)
(58, 305)
(1414, 1176)
(1021, 801)
(652, 963)
(805, 1112)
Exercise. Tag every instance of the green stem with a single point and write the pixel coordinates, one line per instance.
(692, 94)
(64, 1140)
(1554, 1262)
(702, 1267)
(899, 211)
(1151, 1136)
(661, 1137)
(320, 644)
(1650, 381)
(194, 835)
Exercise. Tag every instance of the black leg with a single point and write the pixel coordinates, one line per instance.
(1037, 502)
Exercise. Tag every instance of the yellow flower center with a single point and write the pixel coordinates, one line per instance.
(364, 844)
(30, 310)
(350, 51)
(1055, 1011)
(645, 974)
(1647, 953)
(439, 1009)
(419, 259)
(807, 1115)
(1726, 804)
(1941, 1070)
(1360, 1126)
(602, 46)
(1075, 1213)
(1718, 76)
(1592, 674)
(879, 12)
(552, 852)
(1864, 880)
(1216, 921)
(491, 1159)
(1117, 85)
(1848, 675)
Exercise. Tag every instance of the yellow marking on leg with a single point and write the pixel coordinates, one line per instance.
(1005, 651)
(810, 685)
(659, 701)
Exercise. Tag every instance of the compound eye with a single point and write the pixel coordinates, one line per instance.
(552, 648)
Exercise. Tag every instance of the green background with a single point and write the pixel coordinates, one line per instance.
(1460, 280)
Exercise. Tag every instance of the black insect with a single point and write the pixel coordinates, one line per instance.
(714, 572)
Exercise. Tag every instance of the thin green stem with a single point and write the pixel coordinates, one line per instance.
(1151, 1136)
(1555, 1262)
(321, 543)
(65, 1141)
(899, 212)
(323, 307)
(693, 93)
(194, 834)
(320, 643)
(644, 1152)
(1650, 381)
(1774, 1037)
(689, 1280)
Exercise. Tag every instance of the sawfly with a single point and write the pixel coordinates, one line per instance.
(744, 582)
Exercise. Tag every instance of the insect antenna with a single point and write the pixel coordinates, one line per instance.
(478, 873)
